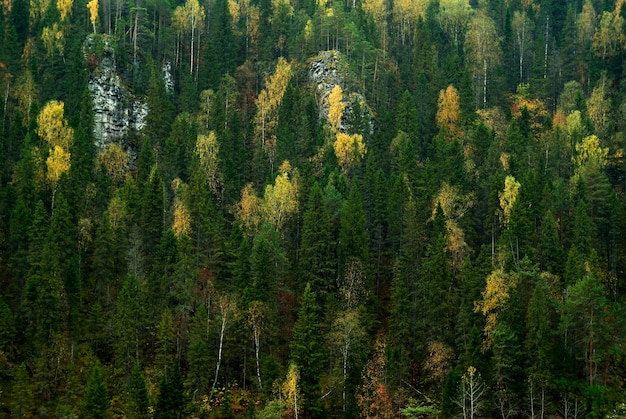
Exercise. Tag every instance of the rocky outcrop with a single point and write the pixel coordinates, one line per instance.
(168, 78)
(116, 110)
(328, 69)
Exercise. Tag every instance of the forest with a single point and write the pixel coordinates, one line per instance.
(312, 209)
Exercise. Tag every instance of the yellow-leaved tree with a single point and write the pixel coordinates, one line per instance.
(281, 199)
(449, 112)
(93, 13)
(454, 206)
(508, 197)
(349, 150)
(182, 216)
(115, 160)
(589, 150)
(267, 104)
(495, 295)
(65, 8)
(291, 389)
(336, 106)
(53, 39)
(248, 209)
(54, 130)
(52, 126)
(207, 149)
(57, 163)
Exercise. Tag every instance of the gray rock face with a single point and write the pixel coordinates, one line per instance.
(329, 69)
(116, 110)
(168, 78)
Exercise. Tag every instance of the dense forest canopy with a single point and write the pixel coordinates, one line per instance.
(312, 208)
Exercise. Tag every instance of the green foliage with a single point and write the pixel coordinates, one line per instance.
(139, 401)
(307, 352)
(128, 273)
(97, 399)
(171, 399)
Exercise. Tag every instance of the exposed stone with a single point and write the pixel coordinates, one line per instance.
(328, 69)
(168, 78)
(116, 110)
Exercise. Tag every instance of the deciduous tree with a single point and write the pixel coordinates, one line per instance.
(349, 150)
(336, 106)
(93, 13)
(449, 112)
(454, 16)
(267, 108)
(482, 49)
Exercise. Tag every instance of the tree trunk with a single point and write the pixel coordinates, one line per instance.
(484, 84)
(219, 356)
(257, 342)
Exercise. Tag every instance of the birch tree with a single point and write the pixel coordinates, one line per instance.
(267, 104)
(454, 16)
(54, 129)
(471, 391)
(257, 311)
(93, 13)
(346, 332)
(227, 306)
(522, 29)
(482, 49)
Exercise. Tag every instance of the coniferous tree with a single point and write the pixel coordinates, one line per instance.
(138, 394)
(307, 353)
(97, 399)
(171, 399)
(435, 284)
(316, 248)
(22, 400)
(353, 238)
(152, 205)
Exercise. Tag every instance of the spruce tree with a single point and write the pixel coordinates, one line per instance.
(151, 225)
(316, 249)
(435, 285)
(171, 399)
(96, 402)
(307, 353)
(22, 400)
(353, 238)
(139, 401)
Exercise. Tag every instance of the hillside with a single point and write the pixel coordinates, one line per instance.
(311, 208)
